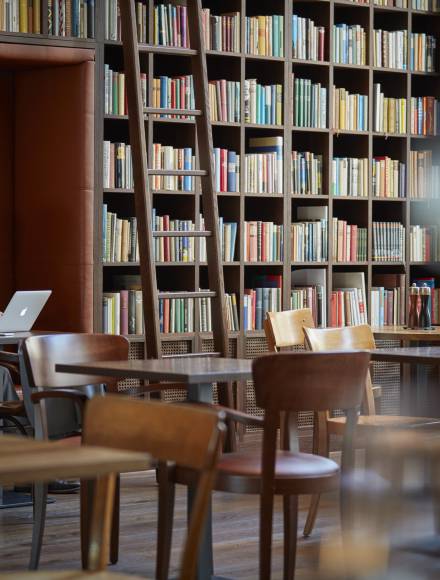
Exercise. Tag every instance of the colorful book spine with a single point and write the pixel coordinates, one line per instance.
(224, 101)
(389, 113)
(119, 238)
(115, 97)
(263, 165)
(310, 297)
(422, 52)
(308, 40)
(173, 93)
(425, 116)
(349, 177)
(424, 243)
(392, 3)
(349, 242)
(170, 25)
(264, 35)
(226, 170)
(222, 32)
(263, 242)
(388, 177)
(228, 240)
(426, 5)
(256, 303)
(347, 307)
(388, 242)
(172, 249)
(309, 104)
(171, 158)
(118, 168)
(231, 309)
(309, 241)
(424, 177)
(390, 49)
(350, 111)
(112, 20)
(306, 173)
(263, 103)
(349, 44)
(22, 16)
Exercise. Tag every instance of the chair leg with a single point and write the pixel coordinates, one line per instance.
(311, 515)
(290, 509)
(266, 518)
(86, 498)
(114, 538)
(165, 523)
(39, 508)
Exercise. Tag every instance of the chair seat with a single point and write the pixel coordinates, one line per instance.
(67, 575)
(295, 473)
(12, 408)
(336, 425)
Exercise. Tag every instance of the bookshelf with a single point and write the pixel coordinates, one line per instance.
(323, 140)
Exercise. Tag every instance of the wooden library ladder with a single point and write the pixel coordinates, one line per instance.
(142, 190)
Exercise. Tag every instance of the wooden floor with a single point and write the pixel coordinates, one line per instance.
(235, 534)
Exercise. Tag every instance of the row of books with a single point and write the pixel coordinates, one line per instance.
(119, 238)
(350, 111)
(263, 165)
(263, 104)
(226, 170)
(228, 238)
(387, 300)
(349, 44)
(74, 18)
(309, 241)
(205, 318)
(348, 307)
(424, 243)
(264, 35)
(390, 49)
(112, 20)
(426, 5)
(389, 112)
(306, 173)
(115, 97)
(224, 101)
(173, 93)
(309, 104)
(122, 312)
(349, 242)
(263, 242)
(170, 25)
(388, 242)
(391, 3)
(388, 177)
(312, 297)
(19, 16)
(424, 177)
(308, 40)
(221, 32)
(349, 177)
(118, 168)
(424, 116)
(169, 157)
(422, 52)
(258, 301)
(173, 249)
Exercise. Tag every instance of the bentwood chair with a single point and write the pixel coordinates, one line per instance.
(192, 438)
(286, 384)
(353, 337)
(54, 394)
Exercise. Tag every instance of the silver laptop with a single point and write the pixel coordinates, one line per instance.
(23, 310)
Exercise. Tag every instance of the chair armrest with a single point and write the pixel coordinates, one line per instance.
(72, 394)
(240, 416)
(9, 357)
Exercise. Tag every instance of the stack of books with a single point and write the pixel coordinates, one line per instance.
(173, 93)
(172, 249)
(388, 178)
(228, 238)
(170, 25)
(226, 170)
(390, 49)
(264, 297)
(308, 40)
(169, 157)
(422, 52)
(309, 104)
(425, 116)
(387, 300)
(349, 177)
(232, 320)
(389, 112)
(118, 168)
(115, 98)
(349, 44)
(224, 101)
(388, 242)
(309, 238)
(264, 35)
(349, 242)
(306, 173)
(221, 32)
(19, 16)
(263, 165)
(424, 177)
(348, 305)
(426, 5)
(424, 243)
(350, 111)
(112, 20)
(263, 242)
(119, 238)
(263, 104)
(122, 312)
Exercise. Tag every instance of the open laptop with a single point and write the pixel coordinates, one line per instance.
(23, 310)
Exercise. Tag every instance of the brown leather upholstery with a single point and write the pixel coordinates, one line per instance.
(51, 128)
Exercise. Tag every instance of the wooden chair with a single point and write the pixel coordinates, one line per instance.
(11, 411)
(288, 383)
(41, 382)
(192, 438)
(353, 337)
(285, 329)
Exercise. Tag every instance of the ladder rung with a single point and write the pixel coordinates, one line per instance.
(178, 172)
(163, 111)
(191, 294)
(187, 234)
(167, 49)
(192, 355)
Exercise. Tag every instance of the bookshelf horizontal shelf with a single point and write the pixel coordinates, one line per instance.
(309, 129)
(350, 66)
(263, 126)
(349, 198)
(263, 57)
(387, 263)
(387, 199)
(384, 69)
(350, 263)
(309, 196)
(310, 264)
(222, 53)
(302, 61)
(273, 263)
(389, 135)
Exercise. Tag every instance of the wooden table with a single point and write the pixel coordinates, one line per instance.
(16, 338)
(24, 460)
(199, 373)
(405, 334)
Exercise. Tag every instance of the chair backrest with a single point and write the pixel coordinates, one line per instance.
(348, 337)
(42, 353)
(188, 435)
(285, 329)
